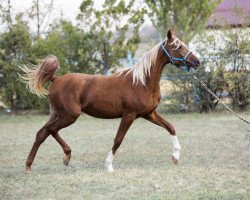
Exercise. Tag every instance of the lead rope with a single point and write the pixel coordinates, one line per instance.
(214, 95)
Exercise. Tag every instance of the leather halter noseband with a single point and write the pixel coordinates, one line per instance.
(173, 59)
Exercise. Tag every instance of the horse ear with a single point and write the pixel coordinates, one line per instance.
(171, 34)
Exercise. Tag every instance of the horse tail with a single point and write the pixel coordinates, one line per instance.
(36, 75)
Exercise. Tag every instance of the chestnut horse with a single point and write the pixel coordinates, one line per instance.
(131, 94)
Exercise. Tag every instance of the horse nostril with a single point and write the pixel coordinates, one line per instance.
(198, 62)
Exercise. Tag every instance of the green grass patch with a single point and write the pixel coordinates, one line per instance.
(214, 162)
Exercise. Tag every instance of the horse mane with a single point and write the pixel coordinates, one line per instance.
(142, 68)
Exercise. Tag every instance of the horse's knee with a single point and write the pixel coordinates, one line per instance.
(170, 129)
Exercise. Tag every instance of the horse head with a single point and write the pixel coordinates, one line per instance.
(178, 52)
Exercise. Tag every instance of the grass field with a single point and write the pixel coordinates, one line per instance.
(214, 162)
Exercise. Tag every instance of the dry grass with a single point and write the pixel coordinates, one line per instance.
(214, 161)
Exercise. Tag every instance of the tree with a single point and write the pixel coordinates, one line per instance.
(185, 16)
(5, 13)
(70, 45)
(115, 29)
(40, 12)
(15, 47)
(236, 52)
(231, 45)
(212, 74)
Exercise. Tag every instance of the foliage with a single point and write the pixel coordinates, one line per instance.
(239, 89)
(236, 51)
(214, 79)
(185, 16)
(5, 13)
(15, 47)
(115, 29)
(39, 12)
(211, 73)
(67, 42)
(70, 45)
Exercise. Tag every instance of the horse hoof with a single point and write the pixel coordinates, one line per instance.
(110, 170)
(66, 161)
(175, 161)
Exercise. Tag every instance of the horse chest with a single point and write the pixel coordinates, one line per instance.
(149, 103)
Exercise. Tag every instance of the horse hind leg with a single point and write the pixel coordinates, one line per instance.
(63, 144)
(51, 127)
(65, 147)
(63, 121)
(41, 136)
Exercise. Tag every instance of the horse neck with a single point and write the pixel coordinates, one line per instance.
(153, 81)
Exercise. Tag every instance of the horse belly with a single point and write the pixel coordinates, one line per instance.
(103, 109)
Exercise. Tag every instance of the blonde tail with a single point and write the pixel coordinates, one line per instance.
(36, 75)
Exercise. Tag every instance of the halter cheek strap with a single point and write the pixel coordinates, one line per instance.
(173, 59)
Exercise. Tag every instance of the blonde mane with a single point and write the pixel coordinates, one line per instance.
(142, 68)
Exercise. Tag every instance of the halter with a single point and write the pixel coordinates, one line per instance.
(173, 59)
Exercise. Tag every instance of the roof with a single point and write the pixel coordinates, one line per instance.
(235, 13)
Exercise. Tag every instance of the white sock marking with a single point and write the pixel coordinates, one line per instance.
(176, 147)
(108, 163)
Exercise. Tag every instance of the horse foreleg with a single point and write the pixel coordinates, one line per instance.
(65, 147)
(157, 119)
(126, 122)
